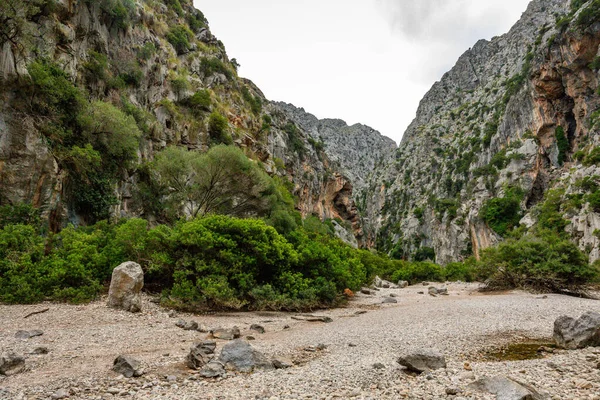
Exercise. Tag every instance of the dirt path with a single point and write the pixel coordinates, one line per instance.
(84, 340)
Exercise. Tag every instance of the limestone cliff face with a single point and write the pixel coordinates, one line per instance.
(489, 124)
(73, 33)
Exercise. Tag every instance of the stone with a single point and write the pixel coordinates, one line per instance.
(282, 363)
(366, 291)
(257, 328)
(40, 351)
(378, 366)
(402, 284)
(432, 291)
(125, 287)
(389, 300)
(570, 333)
(11, 364)
(201, 354)
(452, 391)
(28, 334)
(60, 394)
(378, 282)
(213, 369)
(423, 360)
(187, 325)
(226, 334)
(127, 366)
(506, 388)
(240, 356)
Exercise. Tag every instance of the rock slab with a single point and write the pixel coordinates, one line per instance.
(201, 354)
(506, 389)
(571, 333)
(125, 287)
(423, 360)
(240, 356)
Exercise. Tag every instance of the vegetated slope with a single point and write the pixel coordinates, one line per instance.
(92, 90)
(512, 130)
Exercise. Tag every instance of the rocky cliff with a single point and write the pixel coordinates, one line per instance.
(517, 117)
(158, 62)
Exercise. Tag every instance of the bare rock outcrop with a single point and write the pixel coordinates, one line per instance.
(125, 287)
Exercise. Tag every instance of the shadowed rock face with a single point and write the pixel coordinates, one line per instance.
(570, 333)
(500, 107)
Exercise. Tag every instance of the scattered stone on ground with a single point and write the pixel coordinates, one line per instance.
(187, 325)
(213, 369)
(127, 366)
(312, 318)
(60, 394)
(40, 351)
(282, 362)
(366, 291)
(389, 300)
(125, 287)
(226, 334)
(506, 388)
(402, 284)
(570, 333)
(257, 328)
(240, 356)
(423, 360)
(383, 284)
(11, 363)
(28, 334)
(201, 354)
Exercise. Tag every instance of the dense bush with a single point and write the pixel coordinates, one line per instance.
(180, 36)
(546, 262)
(502, 214)
(218, 129)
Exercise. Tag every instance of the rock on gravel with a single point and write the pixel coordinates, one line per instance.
(226, 334)
(402, 284)
(282, 362)
(11, 364)
(201, 354)
(570, 333)
(506, 389)
(389, 300)
(257, 328)
(187, 326)
(213, 369)
(125, 287)
(28, 334)
(423, 360)
(127, 366)
(240, 356)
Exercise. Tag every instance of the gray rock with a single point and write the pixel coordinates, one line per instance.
(282, 362)
(402, 284)
(213, 369)
(433, 291)
(257, 328)
(127, 366)
(389, 300)
(125, 287)
(452, 391)
(187, 326)
(40, 351)
(226, 334)
(506, 389)
(366, 291)
(201, 354)
(11, 364)
(378, 366)
(240, 356)
(570, 333)
(378, 282)
(423, 360)
(28, 334)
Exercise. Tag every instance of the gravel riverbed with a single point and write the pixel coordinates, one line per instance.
(362, 345)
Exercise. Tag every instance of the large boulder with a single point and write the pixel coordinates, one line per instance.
(423, 360)
(506, 389)
(571, 333)
(11, 364)
(126, 286)
(240, 356)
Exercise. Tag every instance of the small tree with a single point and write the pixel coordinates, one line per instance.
(217, 128)
(221, 181)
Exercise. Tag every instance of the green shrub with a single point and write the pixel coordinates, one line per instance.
(415, 272)
(503, 214)
(589, 16)
(547, 263)
(425, 254)
(218, 128)
(563, 145)
(19, 214)
(461, 271)
(200, 101)
(593, 158)
(180, 36)
(146, 51)
(212, 65)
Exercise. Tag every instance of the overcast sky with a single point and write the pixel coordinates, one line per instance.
(367, 61)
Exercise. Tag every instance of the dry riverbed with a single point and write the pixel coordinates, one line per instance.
(363, 343)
